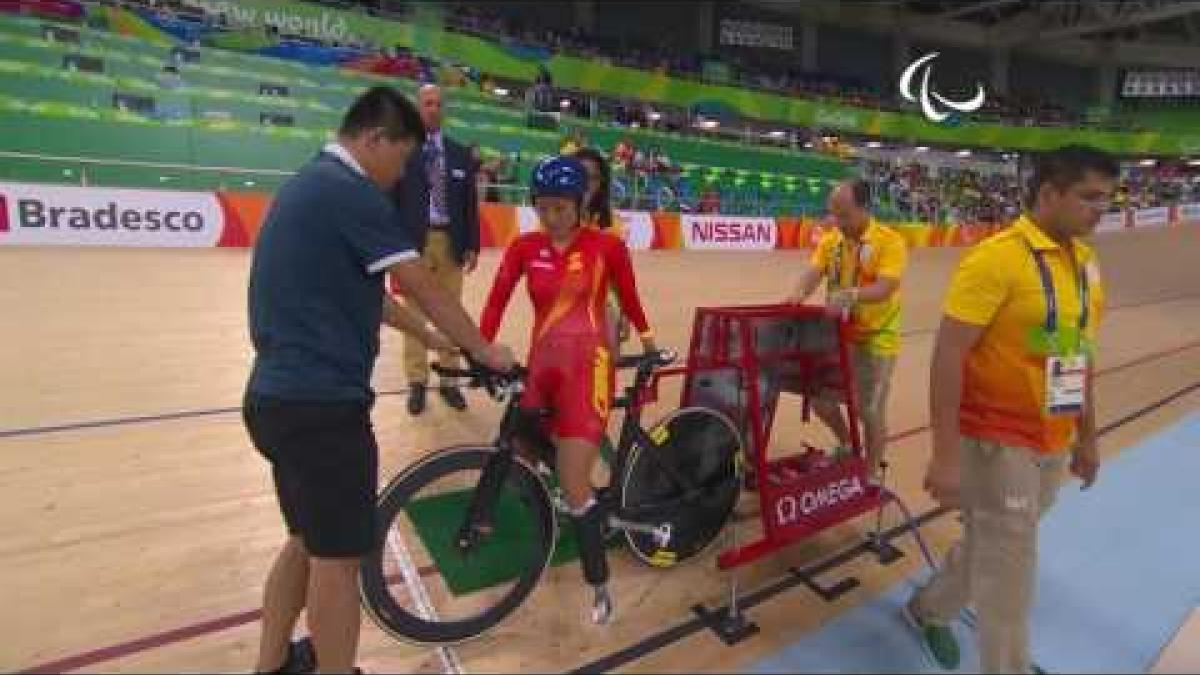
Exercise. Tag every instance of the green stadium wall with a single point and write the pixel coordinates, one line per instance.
(589, 75)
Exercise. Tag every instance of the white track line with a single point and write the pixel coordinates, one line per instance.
(412, 579)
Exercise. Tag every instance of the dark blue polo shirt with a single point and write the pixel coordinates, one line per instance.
(316, 284)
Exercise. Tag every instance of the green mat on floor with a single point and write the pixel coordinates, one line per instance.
(498, 559)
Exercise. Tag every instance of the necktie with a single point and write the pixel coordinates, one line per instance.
(435, 168)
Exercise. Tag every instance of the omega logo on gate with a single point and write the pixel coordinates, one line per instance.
(789, 508)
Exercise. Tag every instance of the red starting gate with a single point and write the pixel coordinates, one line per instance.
(740, 360)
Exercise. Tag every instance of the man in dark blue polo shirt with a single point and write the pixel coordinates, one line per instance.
(316, 303)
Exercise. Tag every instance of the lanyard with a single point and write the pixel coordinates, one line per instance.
(1052, 300)
(835, 278)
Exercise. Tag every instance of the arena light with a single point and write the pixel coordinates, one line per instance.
(1148, 162)
(710, 124)
(1194, 162)
(921, 148)
(778, 133)
(874, 144)
(654, 115)
(565, 103)
(963, 153)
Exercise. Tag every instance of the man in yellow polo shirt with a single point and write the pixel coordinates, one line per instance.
(1011, 400)
(862, 263)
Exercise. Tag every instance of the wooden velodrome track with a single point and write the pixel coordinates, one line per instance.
(140, 542)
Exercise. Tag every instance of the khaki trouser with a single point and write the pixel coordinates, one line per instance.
(1005, 492)
(873, 377)
(873, 382)
(438, 258)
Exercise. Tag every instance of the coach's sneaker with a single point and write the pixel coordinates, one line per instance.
(301, 658)
(453, 397)
(416, 398)
(936, 639)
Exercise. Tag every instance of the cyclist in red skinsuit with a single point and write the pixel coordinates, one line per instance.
(569, 356)
(569, 270)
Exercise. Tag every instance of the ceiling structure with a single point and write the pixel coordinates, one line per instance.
(1162, 33)
(1174, 22)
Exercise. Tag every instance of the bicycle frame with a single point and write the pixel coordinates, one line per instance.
(513, 431)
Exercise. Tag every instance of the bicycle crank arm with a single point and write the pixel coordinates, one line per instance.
(661, 533)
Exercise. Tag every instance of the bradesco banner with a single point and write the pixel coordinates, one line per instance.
(75, 216)
(728, 233)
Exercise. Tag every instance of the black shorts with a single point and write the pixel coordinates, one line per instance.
(325, 463)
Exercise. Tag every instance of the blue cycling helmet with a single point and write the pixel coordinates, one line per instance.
(559, 176)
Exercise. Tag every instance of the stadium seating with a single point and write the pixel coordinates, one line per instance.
(214, 117)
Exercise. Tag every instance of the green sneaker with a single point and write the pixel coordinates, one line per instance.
(937, 639)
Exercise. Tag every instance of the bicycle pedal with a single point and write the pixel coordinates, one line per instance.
(467, 542)
(662, 535)
(474, 534)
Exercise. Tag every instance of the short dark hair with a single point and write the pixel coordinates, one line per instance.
(386, 108)
(861, 192)
(1067, 165)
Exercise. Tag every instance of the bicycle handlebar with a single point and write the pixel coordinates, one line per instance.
(648, 360)
(479, 376)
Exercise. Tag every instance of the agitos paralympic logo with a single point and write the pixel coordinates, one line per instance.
(927, 97)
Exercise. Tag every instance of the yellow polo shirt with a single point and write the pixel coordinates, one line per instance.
(998, 286)
(881, 253)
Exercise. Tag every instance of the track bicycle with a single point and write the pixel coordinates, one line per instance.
(467, 532)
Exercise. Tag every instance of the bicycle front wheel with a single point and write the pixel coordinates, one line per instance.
(420, 585)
